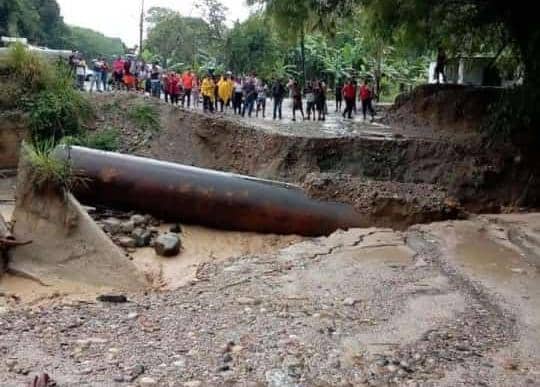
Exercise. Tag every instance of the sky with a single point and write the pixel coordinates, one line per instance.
(120, 18)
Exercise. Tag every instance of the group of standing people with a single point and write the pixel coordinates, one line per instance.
(244, 94)
(349, 93)
(247, 95)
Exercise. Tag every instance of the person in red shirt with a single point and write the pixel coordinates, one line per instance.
(348, 95)
(118, 72)
(174, 88)
(187, 82)
(366, 96)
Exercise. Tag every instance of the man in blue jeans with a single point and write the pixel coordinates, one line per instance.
(250, 95)
(278, 93)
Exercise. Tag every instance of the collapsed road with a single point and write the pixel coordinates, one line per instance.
(200, 196)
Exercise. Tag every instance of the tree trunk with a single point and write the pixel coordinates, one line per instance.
(303, 54)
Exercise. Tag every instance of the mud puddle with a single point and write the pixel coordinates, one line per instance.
(202, 245)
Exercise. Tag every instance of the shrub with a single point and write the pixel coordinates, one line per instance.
(145, 116)
(107, 140)
(54, 106)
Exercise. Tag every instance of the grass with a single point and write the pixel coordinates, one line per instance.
(145, 117)
(107, 140)
(47, 170)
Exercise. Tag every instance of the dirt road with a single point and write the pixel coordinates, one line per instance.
(452, 303)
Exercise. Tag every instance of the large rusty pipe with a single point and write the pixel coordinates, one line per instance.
(192, 195)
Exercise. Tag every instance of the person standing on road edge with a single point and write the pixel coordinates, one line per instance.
(155, 84)
(208, 93)
(296, 94)
(196, 91)
(310, 100)
(225, 90)
(237, 96)
(440, 66)
(187, 82)
(250, 94)
(339, 96)
(80, 70)
(278, 93)
(366, 97)
(349, 95)
(262, 94)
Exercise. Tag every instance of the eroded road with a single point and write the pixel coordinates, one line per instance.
(452, 303)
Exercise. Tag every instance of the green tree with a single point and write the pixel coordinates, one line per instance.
(252, 46)
(175, 38)
(37, 20)
(93, 44)
(294, 20)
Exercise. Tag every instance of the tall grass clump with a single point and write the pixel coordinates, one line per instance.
(145, 116)
(46, 170)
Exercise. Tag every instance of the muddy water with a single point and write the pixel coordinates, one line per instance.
(201, 245)
(485, 253)
(476, 251)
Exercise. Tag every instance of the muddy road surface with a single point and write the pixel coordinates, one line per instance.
(451, 303)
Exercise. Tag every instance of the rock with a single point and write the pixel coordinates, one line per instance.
(193, 383)
(391, 368)
(227, 358)
(82, 344)
(127, 242)
(224, 368)
(177, 229)
(135, 372)
(112, 225)
(142, 237)
(248, 301)
(167, 245)
(127, 227)
(138, 220)
(349, 301)
(279, 378)
(11, 364)
(113, 298)
(227, 347)
(118, 378)
(97, 340)
(147, 382)
(132, 315)
(86, 371)
(179, 363)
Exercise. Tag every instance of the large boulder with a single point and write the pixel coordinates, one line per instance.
(167, 245)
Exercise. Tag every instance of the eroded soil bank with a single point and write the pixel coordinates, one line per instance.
(477, 177)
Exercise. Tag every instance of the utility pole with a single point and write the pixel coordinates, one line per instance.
(141, 29)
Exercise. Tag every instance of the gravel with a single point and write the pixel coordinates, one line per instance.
(263, 319)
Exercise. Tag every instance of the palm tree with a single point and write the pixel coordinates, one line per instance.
(296, 18)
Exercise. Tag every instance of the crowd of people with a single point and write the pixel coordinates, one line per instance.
(246, 95)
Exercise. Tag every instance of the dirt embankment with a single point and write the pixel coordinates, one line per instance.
(449, 110)
(481, 178)
(385, 203)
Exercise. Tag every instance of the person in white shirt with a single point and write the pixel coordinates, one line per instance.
(80, 70)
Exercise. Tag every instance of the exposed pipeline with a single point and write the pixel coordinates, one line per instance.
(181, 193)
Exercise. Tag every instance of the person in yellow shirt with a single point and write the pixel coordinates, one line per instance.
(208, 90)
(225, 91)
